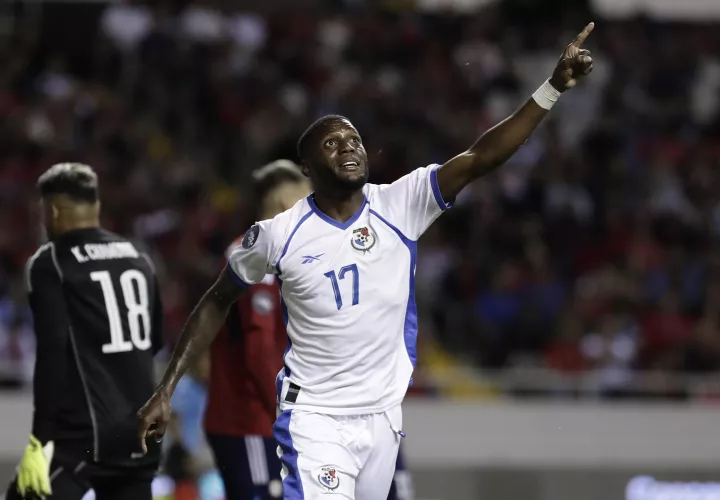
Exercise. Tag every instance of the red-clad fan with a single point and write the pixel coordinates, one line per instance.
(245, 359)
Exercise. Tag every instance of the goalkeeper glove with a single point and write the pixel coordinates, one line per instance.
(34, 469)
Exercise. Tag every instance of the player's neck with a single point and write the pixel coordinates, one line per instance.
(70, 216)
(340, 208)
(67, 224)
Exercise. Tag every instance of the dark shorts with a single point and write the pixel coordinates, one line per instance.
(248, 465)
(71, 480)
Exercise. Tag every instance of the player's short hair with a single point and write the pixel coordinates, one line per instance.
(273, 174)
(308, 137)
(75, 180)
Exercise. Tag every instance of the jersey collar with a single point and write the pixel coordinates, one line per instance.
(330, 220)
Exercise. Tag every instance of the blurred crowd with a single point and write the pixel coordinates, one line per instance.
(594, 248)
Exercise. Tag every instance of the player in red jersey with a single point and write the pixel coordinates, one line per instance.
(245, 359)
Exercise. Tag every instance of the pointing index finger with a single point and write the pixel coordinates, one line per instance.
(583, 35)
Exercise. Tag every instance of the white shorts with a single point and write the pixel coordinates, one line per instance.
(350, 457)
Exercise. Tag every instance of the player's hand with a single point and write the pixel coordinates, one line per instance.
(154, 418)
(574, 63)
(34, 469)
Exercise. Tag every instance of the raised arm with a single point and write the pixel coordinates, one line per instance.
(498, 144)
(200, 330)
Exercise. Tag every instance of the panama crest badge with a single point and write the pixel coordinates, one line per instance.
(363, 239)
(328, 477)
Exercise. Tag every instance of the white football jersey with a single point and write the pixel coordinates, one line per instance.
(348, 294)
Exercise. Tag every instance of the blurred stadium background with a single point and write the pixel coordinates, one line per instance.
(570, 304)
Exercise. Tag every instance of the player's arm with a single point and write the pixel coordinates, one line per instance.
(247, 265)
(499, 143)
(200, 330)
(52, 332)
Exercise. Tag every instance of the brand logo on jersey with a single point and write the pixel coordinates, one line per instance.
(328, 477)
(308, 259)
(251, 237)
(363, 239)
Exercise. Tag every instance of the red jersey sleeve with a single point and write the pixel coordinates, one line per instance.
(245, 359)
(263, 348)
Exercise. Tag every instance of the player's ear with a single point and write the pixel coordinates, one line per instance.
(54, 210)
(304, 168)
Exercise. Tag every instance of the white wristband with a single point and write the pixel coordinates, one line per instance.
(546, 96)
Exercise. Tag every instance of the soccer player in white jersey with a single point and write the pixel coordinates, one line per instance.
(345, 261)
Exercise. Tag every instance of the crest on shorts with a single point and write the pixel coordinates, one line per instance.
(328, 477)
(363, 239)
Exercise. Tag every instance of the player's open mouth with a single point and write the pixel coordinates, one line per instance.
(350, 165)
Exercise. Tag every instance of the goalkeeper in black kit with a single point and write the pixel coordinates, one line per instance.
(98, 321)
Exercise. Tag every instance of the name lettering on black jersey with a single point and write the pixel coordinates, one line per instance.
(105, 251)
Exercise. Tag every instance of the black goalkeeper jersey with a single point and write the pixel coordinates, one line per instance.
(98, 322)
